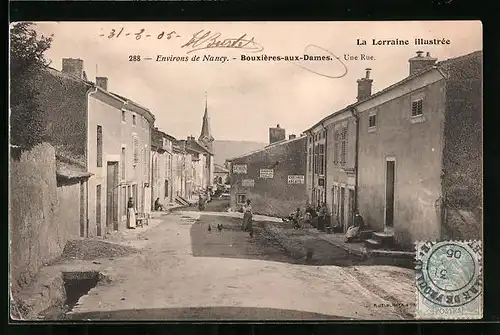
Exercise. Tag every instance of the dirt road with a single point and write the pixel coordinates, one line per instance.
(184, 271)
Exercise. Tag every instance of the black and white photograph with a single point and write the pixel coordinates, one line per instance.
(246, 171)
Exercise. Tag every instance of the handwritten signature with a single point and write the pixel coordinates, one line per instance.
(207, 40)
(332, 73)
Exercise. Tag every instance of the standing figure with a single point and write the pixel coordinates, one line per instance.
(323, 217)
(201, 202)
(130, 214)
(296, 219)
(247, 217)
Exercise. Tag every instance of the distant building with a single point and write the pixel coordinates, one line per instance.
(206, 142)
(106, 133)
(162, 167)
(273, 177)
(221, 175)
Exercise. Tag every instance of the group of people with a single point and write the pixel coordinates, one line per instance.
(319, 218)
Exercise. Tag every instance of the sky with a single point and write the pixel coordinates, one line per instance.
(245, 98)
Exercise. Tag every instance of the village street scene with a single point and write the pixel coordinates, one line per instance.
(196, 171)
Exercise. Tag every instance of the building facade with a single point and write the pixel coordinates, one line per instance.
(162, 167)
(420, 152)
(109, 134)
(273, 178)
(409, 157)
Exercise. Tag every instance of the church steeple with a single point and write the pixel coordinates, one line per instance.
(205, 136)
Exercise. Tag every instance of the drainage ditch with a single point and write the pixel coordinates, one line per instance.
(76, 285)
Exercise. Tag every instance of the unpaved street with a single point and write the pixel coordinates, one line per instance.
(184, 271)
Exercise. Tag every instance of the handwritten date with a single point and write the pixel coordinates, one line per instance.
(116, 33)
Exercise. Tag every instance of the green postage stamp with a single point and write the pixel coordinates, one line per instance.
(449, 280)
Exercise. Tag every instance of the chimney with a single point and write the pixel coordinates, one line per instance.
(73, 67)
(102, 82)
(291, 137)
(182, 145)
(365, 86)
(420, 62)
(276, 134)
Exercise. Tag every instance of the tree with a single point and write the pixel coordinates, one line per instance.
(27, 60)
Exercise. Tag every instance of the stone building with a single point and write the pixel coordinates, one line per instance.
(420, 152)
(409, 157)
(106, 133)
(273, 177)
(162, 173)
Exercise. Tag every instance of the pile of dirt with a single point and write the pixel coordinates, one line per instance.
(94, 249)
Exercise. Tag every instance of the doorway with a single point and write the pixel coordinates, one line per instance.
(82, 209)
(342, 208)
(350, 211)
(112, 196)
(135, 197)
(389, 193)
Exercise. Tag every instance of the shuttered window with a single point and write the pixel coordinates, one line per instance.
(343, 152)
(135, 149)
(99, 146)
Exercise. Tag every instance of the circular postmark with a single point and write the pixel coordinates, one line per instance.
(449, 272)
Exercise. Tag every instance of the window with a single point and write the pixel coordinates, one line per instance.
(123, 117)
(321, 159)
(343, 152)
(336, 147)
(135, 149)
(166, 188)
(315, 163)
(99, 146)
(145, 163)
(310, 159)
(134, 119)
(98, 205)
(122, 163)
(372, 121)
(416, 107)
(241, 198)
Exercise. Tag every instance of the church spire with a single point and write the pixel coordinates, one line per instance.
(206, 136)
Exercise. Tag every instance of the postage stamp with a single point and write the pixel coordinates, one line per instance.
(449, 280)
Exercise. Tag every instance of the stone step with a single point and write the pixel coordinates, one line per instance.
(365, 234)
(372, 244)
(383, 238)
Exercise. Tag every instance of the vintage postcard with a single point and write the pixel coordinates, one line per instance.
(246, 170)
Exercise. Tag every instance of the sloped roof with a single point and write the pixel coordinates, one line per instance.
(67, 169)
(439, 65)
(276, 144)
(220, 169)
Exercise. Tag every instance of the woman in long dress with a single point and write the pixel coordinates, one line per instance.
(130, 214)
(247, 217)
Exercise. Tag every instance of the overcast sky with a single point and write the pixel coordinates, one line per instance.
(246, 98)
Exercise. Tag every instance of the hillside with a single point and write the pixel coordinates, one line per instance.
(230, 149)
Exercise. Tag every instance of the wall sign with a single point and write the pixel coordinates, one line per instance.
(266, 173)
(295, 179)
(240, 168)
(247, 182)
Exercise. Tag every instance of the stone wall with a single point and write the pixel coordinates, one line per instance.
(38, 229)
